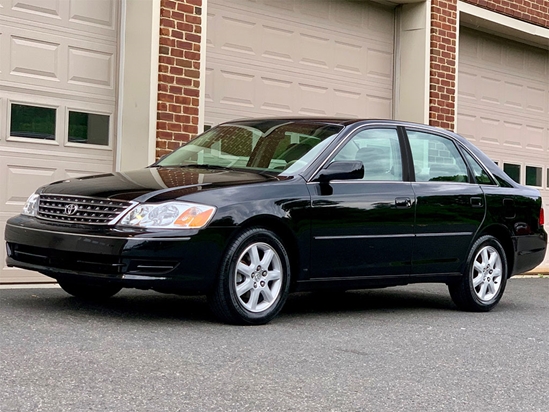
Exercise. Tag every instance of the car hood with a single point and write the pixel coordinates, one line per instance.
(154, 184)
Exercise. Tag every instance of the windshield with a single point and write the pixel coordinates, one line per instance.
(272, 147)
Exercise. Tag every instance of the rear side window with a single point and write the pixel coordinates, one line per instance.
(480, 174)
(378, 150)
(436, 158)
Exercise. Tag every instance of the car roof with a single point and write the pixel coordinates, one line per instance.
(266, 122)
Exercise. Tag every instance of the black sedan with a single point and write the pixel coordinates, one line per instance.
(254, 209)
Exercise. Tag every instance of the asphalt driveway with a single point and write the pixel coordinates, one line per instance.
(396, 349)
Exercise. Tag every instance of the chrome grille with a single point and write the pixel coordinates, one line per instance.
(80, 209)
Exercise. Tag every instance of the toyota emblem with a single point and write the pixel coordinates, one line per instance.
(71, 209)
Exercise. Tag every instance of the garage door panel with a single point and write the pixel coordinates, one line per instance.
(503, 102)
(92, 16)
(54, 61)
(22, 175)
(247, 92)
(480, 125)
(58, 56)
(271, 39)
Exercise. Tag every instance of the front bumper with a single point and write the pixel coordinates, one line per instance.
(186, 260)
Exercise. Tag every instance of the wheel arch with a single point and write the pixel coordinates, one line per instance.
(502, 234)
(288, 237)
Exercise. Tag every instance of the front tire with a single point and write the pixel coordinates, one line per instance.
(484, 279)
(89, 291)
(254, 279)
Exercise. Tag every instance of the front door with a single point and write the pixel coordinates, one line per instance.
(362, 229)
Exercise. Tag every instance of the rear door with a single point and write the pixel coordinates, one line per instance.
(450, 205)
(363, 228)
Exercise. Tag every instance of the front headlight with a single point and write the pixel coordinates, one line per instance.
(31, 205)
(170, 215)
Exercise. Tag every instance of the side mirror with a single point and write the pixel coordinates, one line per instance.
(342, 171)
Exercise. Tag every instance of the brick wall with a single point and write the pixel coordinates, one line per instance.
(442, 84)
(178, 73)
(531, 11)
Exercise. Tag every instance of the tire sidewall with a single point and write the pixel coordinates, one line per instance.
(478, 245)
(248, 238)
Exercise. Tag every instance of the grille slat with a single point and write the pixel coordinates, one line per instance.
(91, 211)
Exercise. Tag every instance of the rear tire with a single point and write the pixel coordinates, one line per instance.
(484, 279)
(254, 279)
(89, 291)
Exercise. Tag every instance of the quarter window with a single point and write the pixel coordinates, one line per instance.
(512, 170)
(480, 174)
(32, 122)
(436, 159)
(378, 150)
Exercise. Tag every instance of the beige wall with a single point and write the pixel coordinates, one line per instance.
(138, 83)
(411, 97)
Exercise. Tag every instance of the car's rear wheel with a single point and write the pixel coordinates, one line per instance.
(254, 279)
(89, 291)
(484, 278)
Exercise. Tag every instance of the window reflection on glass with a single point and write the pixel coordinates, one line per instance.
(88, 128)
(32, 122)
(533, 176)
(379, 152)
(513, 171)
(436, 159)
(480, 174)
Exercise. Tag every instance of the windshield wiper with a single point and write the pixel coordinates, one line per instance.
(198, 166)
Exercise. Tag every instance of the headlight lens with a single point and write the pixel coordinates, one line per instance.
(171, 215)
(31, 205)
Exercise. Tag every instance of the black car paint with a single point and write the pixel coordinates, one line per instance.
(302, 210)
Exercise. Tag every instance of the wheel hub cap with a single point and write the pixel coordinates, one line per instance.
(258, 277)
(487, 273)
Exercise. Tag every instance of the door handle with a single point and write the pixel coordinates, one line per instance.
(403, 202)
(476, 202)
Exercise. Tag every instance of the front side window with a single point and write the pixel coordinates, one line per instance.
(436, 158)
(379, 152)
(32, 122)
(277, 146)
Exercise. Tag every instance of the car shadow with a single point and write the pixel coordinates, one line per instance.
(132, 305)
(371, 300)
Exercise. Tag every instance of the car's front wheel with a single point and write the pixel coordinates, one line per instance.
(484, 278)
(89, 291)
(254, 279)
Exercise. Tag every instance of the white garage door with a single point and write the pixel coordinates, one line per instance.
(58, 65)
(292, 57)
(503, 105)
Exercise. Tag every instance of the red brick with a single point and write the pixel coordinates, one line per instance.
(195, 38)
(185, 8)
(177, 71)
(185, 45)
(192, 55)
(193, 74)
(175, 127)
(164, 22)
(183, 81)
(191, 92)
(193, 19)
